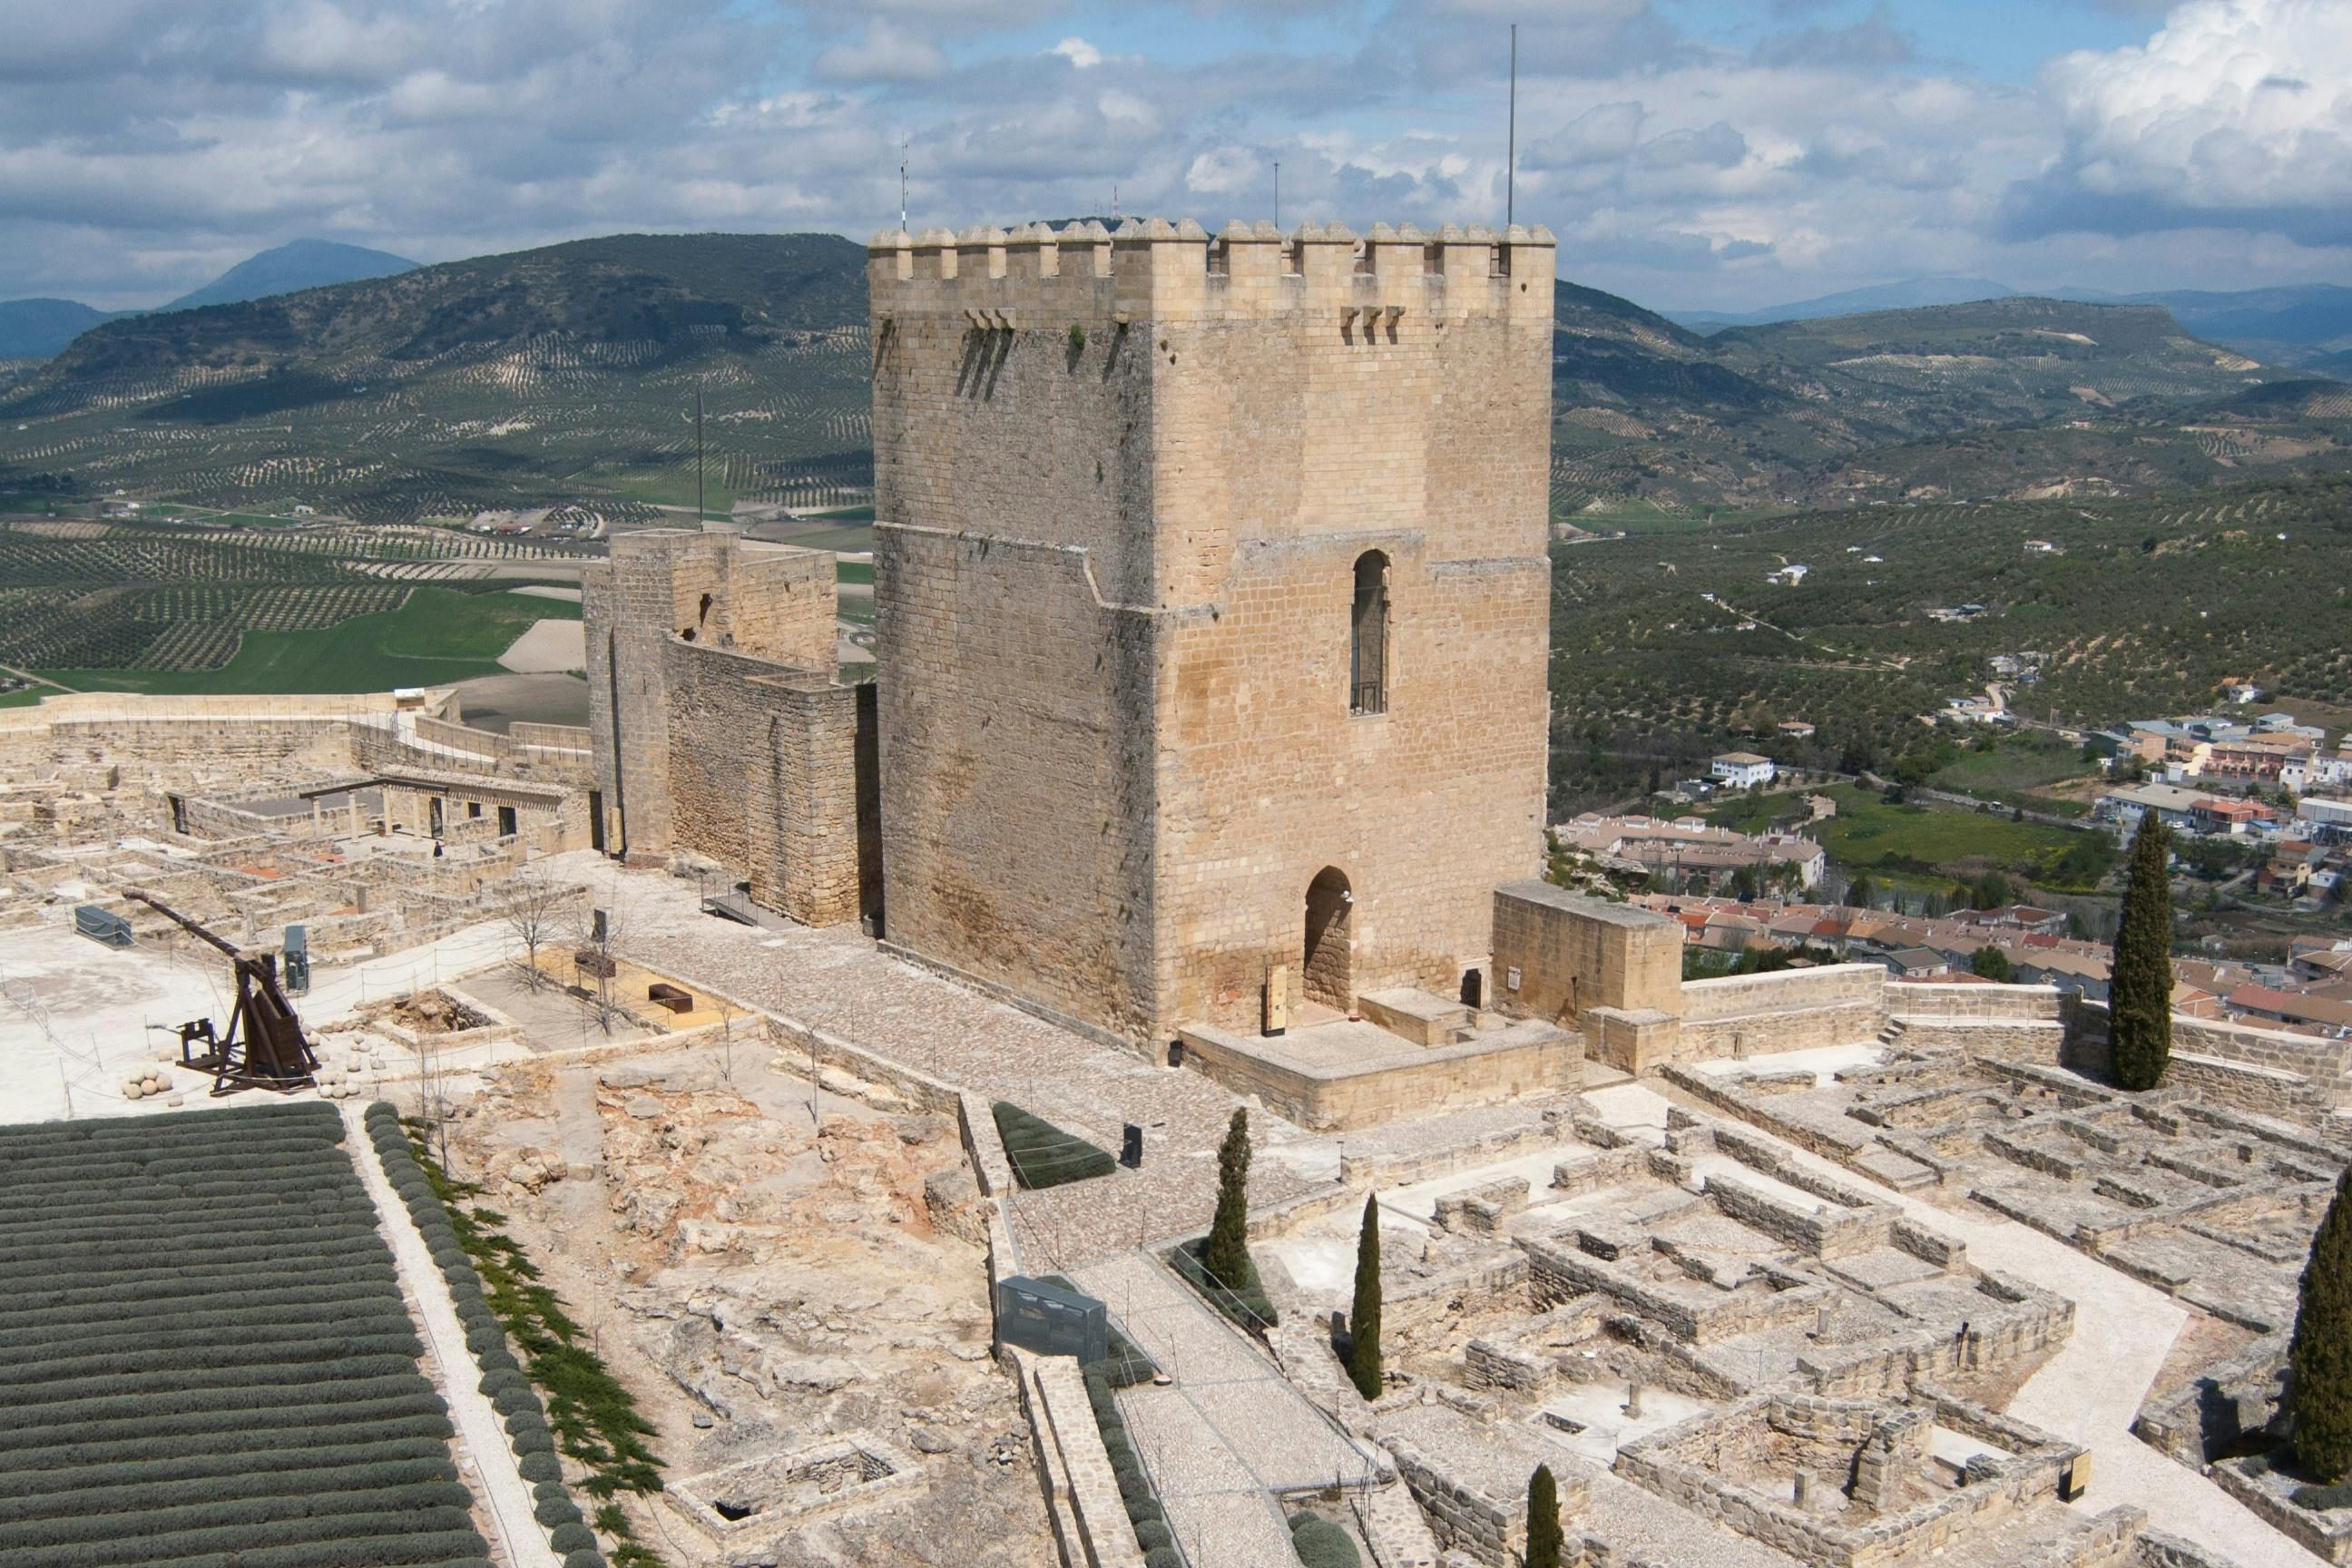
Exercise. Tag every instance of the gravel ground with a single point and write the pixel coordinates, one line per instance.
(837, 981)
(505, 1495)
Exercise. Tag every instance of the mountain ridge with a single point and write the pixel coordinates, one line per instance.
(558, 374)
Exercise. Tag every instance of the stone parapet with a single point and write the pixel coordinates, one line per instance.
(1391, 281)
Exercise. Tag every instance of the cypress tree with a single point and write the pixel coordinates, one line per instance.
(2320, 1357)
(2139, 983)
(1364, 1315)
(1227, 1254)
(1544, 1541)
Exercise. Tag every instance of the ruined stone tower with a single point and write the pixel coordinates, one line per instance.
(718, 725)
(1212, 598)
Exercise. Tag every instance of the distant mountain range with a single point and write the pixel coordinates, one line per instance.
(38, 329)
(2308, 325)
(567, 373)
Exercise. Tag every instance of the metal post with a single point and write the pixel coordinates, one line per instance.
(1511, 154)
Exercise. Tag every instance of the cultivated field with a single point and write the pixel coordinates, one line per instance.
(151, 607)
(205, 1356)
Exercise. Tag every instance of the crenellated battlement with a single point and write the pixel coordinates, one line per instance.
(1161, 271)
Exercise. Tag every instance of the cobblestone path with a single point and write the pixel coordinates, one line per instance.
(1229, 1433)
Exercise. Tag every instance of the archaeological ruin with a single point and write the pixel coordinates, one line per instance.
(846, 1062)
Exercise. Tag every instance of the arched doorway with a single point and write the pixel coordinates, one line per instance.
(1326, 974)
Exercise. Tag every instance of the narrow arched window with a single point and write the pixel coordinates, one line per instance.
(1367, 636)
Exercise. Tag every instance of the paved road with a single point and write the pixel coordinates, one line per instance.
(1231, 1431)
(505, 1494)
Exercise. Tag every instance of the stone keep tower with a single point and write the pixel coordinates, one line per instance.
(1212, 597)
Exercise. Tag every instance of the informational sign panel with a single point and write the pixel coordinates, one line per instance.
(1050, 1321)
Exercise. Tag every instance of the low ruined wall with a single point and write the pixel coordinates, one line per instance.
(1446, 1077)
(2272, 1072)
(1912, 1001)
(1797, 1009)
(1558, 1273)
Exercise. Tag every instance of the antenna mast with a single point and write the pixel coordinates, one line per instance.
(1511, 144)
(903, 143)
(700, 512)
(1277, 192)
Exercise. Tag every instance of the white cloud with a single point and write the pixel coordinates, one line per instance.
(1223, 169)
(1078, 52)
(887, 53)
(2234, 109)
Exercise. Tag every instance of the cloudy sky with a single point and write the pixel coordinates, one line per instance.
(1723, 154)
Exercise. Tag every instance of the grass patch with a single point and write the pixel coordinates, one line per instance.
(24, 698)
(2017, 770)
(853, 570)
(1758, 813)
(1042, 1154)
(1868, 834)
(437, 636)
(1249, 1306)
(668, 487)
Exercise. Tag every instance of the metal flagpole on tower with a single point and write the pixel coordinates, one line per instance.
(1277, 192)
(904, 141)
(700, 509)
(1511, 143)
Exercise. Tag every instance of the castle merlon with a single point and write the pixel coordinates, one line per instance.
(1163, 270)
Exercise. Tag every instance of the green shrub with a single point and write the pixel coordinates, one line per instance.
(571, 1537)
(1249, 1306)
(555, 1511)
(528, 1443)
(1152, 1534)
(1042, 1154)
(523, 1421)
(540, 1467)
(2337, 1494)
(1321, 1543)
(585, 1557)
(1162, 1557)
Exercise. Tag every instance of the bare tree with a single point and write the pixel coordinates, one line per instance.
(597, 933)
(433, 1107)
(535, 908)
(726, 1041)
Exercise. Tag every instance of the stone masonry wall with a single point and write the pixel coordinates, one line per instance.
(1124, 485)
(1016, 792)
(1574, 953)
(1797, 1009)
(764, 778)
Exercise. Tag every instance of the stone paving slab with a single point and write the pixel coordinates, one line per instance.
(1230, 1432)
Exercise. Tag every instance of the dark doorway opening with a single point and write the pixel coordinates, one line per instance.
(1327, 971)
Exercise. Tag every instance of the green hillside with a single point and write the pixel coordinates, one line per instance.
(511, 381)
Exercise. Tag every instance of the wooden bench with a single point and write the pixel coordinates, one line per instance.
(664, 995)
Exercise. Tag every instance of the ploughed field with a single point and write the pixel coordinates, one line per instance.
(205, 1356)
